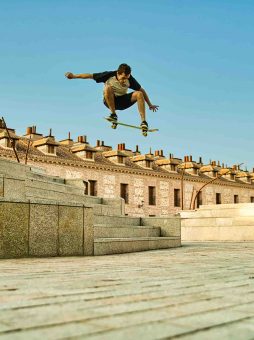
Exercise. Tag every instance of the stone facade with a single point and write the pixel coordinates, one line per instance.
(39, 228)
(102, 171)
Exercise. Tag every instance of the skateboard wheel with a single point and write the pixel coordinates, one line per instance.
(114, 126)
(145, 134)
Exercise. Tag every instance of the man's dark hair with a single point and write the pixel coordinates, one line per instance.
(124, 68)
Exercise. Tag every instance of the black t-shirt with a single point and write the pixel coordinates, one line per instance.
(104, 76)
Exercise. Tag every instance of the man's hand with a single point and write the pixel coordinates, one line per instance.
(154, 108)
(69, 75)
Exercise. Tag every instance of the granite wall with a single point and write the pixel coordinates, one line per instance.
(39, 228)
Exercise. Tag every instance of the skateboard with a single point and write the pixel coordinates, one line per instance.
(115, 123)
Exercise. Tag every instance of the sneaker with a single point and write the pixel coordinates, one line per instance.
(144, 125)
(113, 116)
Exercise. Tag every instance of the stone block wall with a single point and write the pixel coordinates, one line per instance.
(41, 228)
(1, 186)
(169, 226)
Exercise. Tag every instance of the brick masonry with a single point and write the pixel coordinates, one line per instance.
(108, 186)
(108, 173)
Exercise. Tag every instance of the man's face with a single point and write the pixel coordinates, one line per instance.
(122, 77)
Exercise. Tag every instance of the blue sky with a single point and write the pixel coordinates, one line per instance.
(194, 59)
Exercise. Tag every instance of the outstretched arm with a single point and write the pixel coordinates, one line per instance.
(151, 106)
(70, 75)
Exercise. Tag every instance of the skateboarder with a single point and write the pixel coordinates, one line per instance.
(115, 96)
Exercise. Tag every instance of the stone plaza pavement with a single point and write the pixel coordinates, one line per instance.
(198, 291)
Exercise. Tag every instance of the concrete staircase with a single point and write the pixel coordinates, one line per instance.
(20, 181)
(113, 232)
(122, 234)
(222, 222)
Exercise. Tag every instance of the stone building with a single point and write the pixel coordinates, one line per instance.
(150, 183)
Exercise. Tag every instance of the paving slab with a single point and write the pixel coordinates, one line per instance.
(198, 291)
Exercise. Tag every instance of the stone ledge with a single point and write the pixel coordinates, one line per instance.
(38, 229)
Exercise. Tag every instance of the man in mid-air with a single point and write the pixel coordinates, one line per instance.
(115, 96)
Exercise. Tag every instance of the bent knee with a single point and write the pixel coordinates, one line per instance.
(139, 94)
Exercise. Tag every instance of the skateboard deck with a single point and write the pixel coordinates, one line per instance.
(115, 123)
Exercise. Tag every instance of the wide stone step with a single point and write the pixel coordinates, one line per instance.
(40, 185)
(40, 174)
(115, 221)
(217, 213)
(11, 167)
(218, 234)
(206, 222)
(88, 201)
(102, 209)
(222, 212)
(223, 206)
(107, 231)
(108, 246)
(217, 221)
